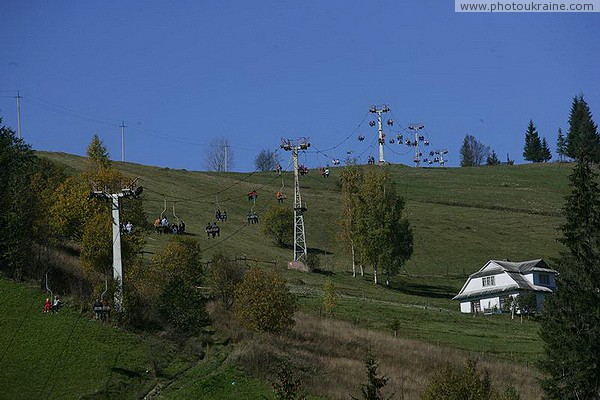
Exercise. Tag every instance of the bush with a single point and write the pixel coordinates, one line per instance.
(225, 275)
(263, 302)
(287, 386)
(329, 297)
(455, 383)
(183, 306)
(278, 224)
(179, 268)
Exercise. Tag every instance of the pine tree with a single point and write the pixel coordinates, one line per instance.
(372, 390)
(533, 147)
(582, 139)
(545, 153)
(571, 325)
(97, 154)
(493, 159)
(561, 145)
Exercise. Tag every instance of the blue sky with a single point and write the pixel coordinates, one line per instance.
(182, 74)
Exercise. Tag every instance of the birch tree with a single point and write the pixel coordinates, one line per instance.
(386, 239)
(351, 178)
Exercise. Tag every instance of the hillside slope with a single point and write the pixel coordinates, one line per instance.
(461, 217)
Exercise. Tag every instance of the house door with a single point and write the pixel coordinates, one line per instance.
(475, 307)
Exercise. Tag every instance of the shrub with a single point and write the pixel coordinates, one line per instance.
(183, 306)
(263, 302)
(329, 297)
(278, 224)
(287, 386)
(225, 275)
(455, 383)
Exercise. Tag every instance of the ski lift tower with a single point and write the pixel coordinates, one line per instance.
(130, 190)
(381, 137)
(300, 249)
(416, 128)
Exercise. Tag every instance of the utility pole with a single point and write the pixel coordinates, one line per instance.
(381, 135)
(300, 249)
(123, 126)
(416, 129)
(130, 191)
(225, 153)
(18, 113)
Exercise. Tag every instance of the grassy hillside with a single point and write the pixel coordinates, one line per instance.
(461, 218)
(69, 355)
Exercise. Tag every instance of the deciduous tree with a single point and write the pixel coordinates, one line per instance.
(225, 275)
(472, 152)
(17, 163)
(219, 156)
(386, 239)
(266, 160)
(278, 224)
(263, 301)
(351, 180)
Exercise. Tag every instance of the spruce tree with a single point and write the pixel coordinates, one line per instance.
(97, 154)
(533, 147)
(545, 153)
(561, 145)
(582, 138)
(570, 328)
(493, 159)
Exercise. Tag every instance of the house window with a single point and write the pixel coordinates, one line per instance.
(544, 279)
(488, 281)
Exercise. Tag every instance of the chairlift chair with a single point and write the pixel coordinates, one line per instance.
(279, 195)
(252, 217)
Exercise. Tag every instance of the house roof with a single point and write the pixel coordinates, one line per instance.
(515, 270)
(494, 267)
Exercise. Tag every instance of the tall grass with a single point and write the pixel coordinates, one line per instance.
(329, 356)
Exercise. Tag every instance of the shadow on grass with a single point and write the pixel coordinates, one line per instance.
(424, 290)
(314, 250)
(322, 272)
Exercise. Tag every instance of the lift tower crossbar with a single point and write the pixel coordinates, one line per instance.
(300, 249)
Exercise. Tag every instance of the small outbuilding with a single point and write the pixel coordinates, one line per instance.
(498, 283)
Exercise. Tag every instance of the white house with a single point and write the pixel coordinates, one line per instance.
(489, 288)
